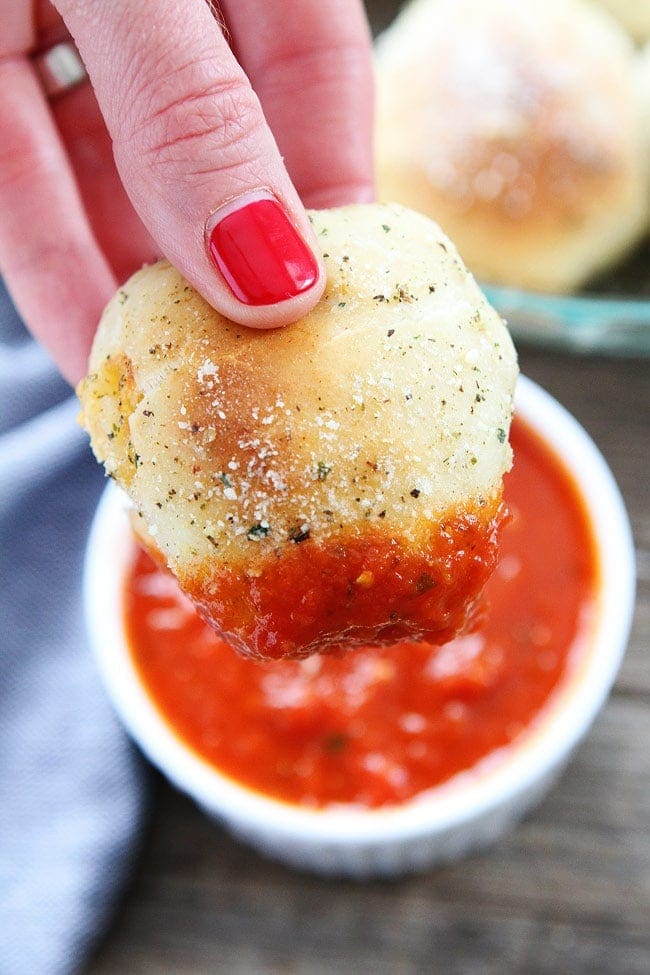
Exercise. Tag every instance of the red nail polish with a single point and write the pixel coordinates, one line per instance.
(260, 253)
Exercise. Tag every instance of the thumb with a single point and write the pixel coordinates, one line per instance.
(196, 156)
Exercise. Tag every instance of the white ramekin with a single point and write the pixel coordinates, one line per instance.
(446, 823)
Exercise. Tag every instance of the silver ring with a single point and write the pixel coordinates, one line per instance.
(60, 69)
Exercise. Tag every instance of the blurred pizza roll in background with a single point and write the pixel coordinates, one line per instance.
(519, 126)
(330, 483)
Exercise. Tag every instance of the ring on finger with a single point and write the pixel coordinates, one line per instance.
(60, 69)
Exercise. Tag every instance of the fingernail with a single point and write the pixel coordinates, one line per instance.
(259, 252)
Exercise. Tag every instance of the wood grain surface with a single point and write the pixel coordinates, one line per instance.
(567, 892)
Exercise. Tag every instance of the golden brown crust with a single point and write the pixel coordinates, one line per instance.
(115, 398)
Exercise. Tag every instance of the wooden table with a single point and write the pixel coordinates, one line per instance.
(567, 892)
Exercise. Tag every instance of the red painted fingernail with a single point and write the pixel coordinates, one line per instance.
(259, 252)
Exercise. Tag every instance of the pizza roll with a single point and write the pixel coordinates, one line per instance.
(331, 483)
(519, 127)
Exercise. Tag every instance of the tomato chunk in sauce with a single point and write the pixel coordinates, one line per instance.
(377, 726)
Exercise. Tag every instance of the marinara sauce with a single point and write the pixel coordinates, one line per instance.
(377, 726)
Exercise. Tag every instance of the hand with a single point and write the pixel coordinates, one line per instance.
(169, 142)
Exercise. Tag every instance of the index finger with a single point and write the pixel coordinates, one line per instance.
(310, 63)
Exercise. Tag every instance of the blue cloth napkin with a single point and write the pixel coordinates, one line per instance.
(71, 786)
